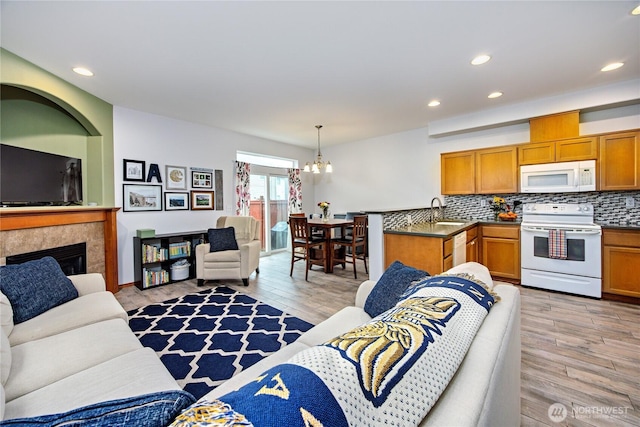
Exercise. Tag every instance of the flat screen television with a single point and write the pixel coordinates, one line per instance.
(35, 178)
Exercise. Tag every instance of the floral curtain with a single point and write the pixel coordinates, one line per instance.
(295, 191)
(243, 171)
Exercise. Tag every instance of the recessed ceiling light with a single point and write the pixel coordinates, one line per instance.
(83, 71)
(434, 103)
(612, 66)
(480, 59)
(495, 95)
(636, 11)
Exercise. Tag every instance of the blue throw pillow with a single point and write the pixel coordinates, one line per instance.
(149, 410)
(34, 287)
(391, 285)
(222, 239)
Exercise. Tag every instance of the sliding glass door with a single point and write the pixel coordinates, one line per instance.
(269, 204)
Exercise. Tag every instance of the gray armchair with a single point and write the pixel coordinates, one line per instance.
(231, 264)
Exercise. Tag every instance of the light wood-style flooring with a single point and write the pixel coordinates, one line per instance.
(581, 352)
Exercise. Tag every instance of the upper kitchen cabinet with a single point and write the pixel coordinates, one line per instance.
(566, 150)
(620, 161)
(497, 170)
(457, 172)
(488, 171)
(554, 127)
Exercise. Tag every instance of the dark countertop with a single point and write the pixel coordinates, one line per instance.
(442, 230)
(629, 226)
(427, 229)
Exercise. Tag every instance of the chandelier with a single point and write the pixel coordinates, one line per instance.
(318, 164)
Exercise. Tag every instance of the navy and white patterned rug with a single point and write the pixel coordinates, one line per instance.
(206, 338)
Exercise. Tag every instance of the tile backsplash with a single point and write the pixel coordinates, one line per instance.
(610, 207)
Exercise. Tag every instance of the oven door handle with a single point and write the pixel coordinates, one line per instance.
(568, 231)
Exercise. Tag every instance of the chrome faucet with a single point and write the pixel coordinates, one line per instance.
(433, 217)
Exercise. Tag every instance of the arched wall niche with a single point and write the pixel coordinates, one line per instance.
(94, 115)
(47, 98)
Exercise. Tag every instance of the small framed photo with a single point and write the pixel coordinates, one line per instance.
(133, 170)
(202, 200)
(201, 179)
(176, 201)
(176, 177)
(138, 198)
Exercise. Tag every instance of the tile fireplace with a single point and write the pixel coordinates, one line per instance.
(24, 230)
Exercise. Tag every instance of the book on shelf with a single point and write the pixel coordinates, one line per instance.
(154, 277)
(151, 253)
(179, 249)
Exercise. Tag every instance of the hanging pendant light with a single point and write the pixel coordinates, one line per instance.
(318, 164)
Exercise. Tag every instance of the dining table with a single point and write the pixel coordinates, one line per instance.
(327, 226)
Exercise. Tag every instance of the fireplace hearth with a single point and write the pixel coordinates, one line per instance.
(72, 258)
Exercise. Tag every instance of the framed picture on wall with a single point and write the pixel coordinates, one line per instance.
(139, 198)
(201, 179)
(133, 170)
(176, 201)
(176, 177)
(202, 200)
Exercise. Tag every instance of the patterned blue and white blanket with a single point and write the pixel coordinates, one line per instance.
(389, 371)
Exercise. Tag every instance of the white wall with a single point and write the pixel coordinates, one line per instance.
(402, 170)
(164, 141)
(390, 172)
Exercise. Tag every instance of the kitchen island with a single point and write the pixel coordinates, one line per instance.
(383, 224)
(436, 247)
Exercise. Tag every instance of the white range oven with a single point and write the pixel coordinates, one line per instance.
(561, 248)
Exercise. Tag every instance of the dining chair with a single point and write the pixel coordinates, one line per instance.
(304, 247)
(315, 233)
(357, 239)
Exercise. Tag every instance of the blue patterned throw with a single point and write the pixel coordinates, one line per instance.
(206, 338)
(389, 371)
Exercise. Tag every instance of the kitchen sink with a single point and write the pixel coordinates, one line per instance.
(452, 223)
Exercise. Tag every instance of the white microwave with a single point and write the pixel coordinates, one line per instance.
(563, 177)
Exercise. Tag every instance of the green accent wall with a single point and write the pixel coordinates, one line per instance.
(41, 111)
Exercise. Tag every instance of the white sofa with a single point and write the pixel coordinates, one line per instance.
(76, 354)
(231, 264)
(484, 392)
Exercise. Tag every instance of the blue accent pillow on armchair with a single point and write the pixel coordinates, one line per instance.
(391, 285)
(222, 239)
(34, 287)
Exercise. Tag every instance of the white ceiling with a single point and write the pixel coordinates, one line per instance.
(360, 68)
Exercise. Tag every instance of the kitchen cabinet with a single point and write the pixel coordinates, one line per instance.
(431, 254)
(497, 170)
(488, 171)
(457, 173)
(619, 160)
(501, 250)
(472, 244)
(621, 262)
(566, 150)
